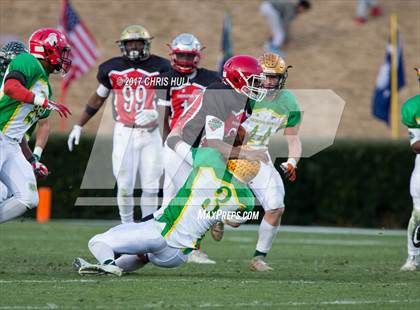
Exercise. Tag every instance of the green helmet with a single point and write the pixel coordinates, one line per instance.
(135, 33)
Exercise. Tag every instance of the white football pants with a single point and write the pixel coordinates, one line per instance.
(136, 239)
(135, 151)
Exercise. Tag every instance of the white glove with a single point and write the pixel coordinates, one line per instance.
(74, 137)
(145, 117)
(289, 169)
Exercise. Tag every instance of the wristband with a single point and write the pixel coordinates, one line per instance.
(90, 110)
(37, 152)
(292, 161)
(39, 100)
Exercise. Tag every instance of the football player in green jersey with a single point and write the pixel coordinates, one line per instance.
(210, 194)
(278, 110)
(411, 118)
(25, 96)
(8, 52)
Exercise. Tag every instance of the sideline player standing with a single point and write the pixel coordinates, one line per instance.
(278, 110)
(137, 144)
(25, 96)
(182, 85)
(8, 52)
(411, 118)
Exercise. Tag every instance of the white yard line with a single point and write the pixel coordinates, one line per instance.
(112, 279)
(252, 304)
(47, 306)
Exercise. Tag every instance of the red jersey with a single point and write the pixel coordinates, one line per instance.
(132, 83)
(178, 91)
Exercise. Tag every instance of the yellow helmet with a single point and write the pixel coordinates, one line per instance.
(418, 73)
(135, 33)
(273, 65)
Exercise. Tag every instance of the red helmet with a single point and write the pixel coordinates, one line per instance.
(52, 46)
(185, 53)
(245, 75)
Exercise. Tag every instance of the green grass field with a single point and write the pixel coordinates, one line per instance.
(312, 271)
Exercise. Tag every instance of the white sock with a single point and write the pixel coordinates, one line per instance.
(11, 208)
(266, 235)
(148, 203)
(129, 263)
(126, 208)
(101, 251)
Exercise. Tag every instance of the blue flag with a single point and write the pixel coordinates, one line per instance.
(226, 42)
(382, 96)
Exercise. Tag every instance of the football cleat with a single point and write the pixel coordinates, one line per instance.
(217, 231)
(410, 264)
(199, 257)
(258, 264)
(85, 268)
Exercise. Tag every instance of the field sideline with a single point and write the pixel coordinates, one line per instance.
(314, 268)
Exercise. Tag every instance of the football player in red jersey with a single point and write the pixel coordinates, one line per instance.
(228, 102)
(137, 144)
(178, 88)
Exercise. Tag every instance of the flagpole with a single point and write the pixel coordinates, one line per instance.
(394, 77)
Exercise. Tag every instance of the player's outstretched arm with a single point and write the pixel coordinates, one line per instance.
(295, 152)
(94, 104)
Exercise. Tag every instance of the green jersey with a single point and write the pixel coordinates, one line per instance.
(269, 116)
(411, 112)
(17, 117)
(210, 192)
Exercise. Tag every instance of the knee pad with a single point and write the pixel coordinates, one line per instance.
(273, 203)
(277, 211)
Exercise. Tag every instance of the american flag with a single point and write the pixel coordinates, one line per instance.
(84, 52)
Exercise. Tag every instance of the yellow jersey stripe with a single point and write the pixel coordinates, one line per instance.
(12, 117)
